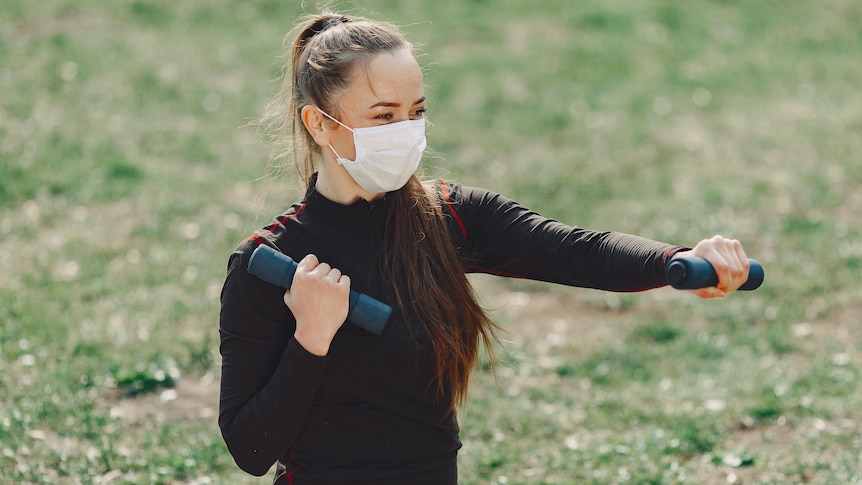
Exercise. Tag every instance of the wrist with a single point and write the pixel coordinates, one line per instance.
(311, 343)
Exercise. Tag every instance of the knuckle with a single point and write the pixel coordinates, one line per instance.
(721, 267)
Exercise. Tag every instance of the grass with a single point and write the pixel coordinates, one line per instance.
(127, 174)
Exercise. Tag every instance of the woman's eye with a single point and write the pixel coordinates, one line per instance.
(419, 113)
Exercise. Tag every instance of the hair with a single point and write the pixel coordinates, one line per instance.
(419, 260)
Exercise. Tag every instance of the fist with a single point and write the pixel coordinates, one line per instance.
(729, 261)
(318, 298)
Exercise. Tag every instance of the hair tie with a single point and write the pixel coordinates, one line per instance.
(320, 25)
(334, 21)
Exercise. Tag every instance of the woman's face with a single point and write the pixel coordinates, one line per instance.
(386, 89)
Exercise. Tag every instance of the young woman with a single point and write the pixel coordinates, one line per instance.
(325, 400)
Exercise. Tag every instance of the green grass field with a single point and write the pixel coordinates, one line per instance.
(128, 173)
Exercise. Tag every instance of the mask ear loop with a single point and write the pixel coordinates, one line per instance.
(335, 120)
(337, 156)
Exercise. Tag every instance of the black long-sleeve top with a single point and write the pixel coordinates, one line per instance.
(367, 412)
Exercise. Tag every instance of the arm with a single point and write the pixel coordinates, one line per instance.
(268, 379)
(499, 236)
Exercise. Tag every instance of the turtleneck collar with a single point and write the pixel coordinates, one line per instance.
(361, 206)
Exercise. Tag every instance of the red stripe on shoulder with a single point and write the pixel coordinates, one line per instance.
(278, 222)
(449, 204)
(281, 220)
(256, 239)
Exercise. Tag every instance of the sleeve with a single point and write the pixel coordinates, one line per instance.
(497, 235)
(268, 379)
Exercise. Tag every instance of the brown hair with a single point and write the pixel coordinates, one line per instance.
(420, 261)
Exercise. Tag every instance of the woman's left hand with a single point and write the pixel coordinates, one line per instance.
(729, 261)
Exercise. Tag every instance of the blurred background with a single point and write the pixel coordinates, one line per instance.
(130, 169)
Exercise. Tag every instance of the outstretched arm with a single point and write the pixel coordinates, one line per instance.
(499, 236)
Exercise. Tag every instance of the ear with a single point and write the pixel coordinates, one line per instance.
(315, 124)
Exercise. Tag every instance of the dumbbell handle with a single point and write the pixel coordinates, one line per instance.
(278, 269)
(691, 273)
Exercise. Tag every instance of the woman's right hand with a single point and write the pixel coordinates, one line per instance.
(318, 298)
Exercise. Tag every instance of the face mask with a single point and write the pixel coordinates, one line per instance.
(386, 155)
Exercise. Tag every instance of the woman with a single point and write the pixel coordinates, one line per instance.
(325, 400)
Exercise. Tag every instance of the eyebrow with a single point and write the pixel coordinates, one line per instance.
(389, 104)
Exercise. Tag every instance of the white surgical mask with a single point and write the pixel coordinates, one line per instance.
(386, 155)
